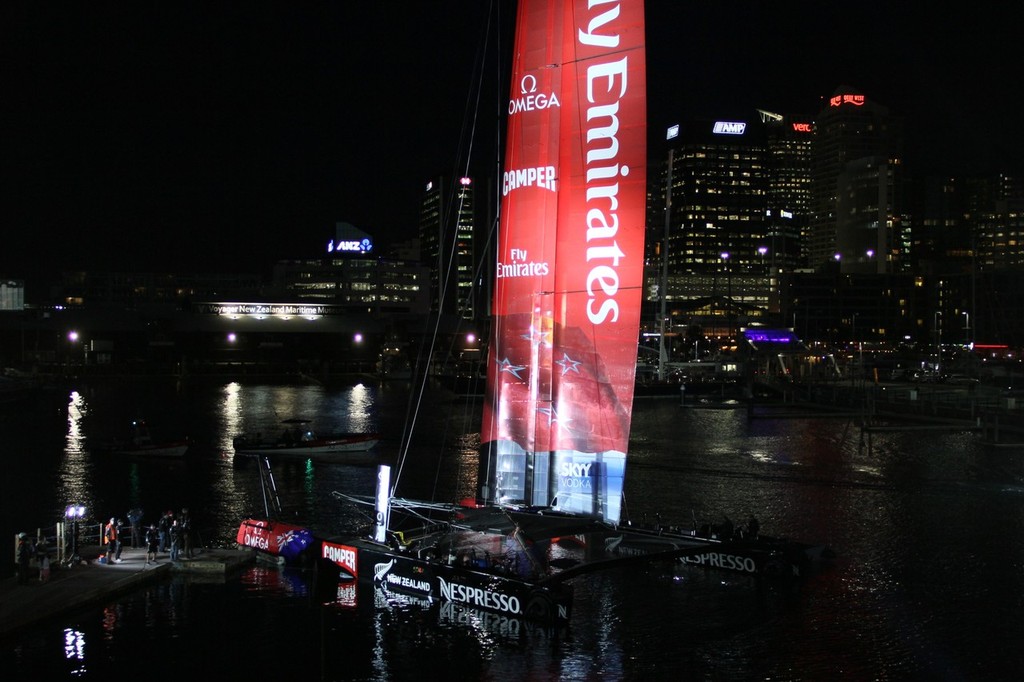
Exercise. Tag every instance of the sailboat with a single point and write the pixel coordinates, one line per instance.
(562, 353)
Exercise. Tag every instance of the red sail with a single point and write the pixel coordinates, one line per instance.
(570, 258)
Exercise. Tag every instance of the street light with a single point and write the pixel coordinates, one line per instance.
(967, 327)
(728, 279)
(74, 514)
(671, 133)
(859, 346)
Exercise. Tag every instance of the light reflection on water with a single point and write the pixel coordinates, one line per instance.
(231, 417)
(76, 466)
(361, 409)
(929, 531)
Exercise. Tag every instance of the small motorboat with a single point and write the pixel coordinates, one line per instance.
(140, 443)
(304, 442)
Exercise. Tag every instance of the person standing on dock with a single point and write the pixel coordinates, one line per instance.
(175, 534)
(43, 559)
(110, 538)
(186, 533)
(135, 520)
(165, 531)
(152, 543)
(120, 541)
(24, 557)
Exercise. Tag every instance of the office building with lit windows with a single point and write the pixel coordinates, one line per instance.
(350, 276)
(857, 187)
(739, 196)
(789, 141)
(447, 230)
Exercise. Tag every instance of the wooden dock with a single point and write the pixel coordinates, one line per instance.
(70, 588)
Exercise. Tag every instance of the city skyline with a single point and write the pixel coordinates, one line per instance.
(222, 139)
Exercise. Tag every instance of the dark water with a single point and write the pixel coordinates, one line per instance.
(929, 529)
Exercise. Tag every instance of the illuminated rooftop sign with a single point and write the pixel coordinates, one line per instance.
(350, 246)
(265, 309)
(729, 128)
(769, 335)
(802, 127)
(839, 100)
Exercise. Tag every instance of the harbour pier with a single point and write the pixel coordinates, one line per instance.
(86, 582)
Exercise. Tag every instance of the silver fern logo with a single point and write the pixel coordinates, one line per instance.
(381, 570)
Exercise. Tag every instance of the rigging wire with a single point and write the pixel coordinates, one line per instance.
(469, 134)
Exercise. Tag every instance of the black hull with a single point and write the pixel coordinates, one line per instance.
(763, 557)
(450, 566)
(435, 580)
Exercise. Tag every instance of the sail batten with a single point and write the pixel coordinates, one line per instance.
(562, 362)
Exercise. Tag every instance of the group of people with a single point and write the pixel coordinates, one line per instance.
(172, 535)
(27, 550)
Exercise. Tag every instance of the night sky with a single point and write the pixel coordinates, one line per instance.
(210, 137)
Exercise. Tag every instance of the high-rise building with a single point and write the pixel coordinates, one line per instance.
(739, 201)
(717, 220)
(447, 228)
(12, 294)
(719, 198)
(788, 147)
(996, 219)
(941, 238)
(857, 187)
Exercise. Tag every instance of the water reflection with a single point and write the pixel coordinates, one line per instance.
(229, 498)
(468, 447)
(360, 407)
(77, 410)
(76, 467)
(74, 650)
(928, 529)
(230, 418)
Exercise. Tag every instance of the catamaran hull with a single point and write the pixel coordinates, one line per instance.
(435, 580)
(763, 557)
(473, 585)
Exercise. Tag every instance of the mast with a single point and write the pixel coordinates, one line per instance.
(663, 285)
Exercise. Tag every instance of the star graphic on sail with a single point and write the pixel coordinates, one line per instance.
(538, 337)
(505, 366)
(552, 415)
(568, 364)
